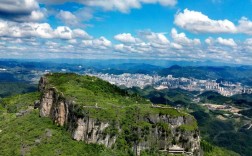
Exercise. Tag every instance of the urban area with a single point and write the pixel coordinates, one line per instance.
(225, 88)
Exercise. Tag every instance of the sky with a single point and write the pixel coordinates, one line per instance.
(183, 30)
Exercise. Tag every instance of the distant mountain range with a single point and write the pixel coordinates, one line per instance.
(241, 74)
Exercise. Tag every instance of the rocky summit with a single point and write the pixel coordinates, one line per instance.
(94, 111)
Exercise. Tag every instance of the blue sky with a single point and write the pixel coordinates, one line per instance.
(191, 30)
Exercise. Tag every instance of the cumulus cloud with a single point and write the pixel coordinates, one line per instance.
(245, 26)
(227, 42)
(180, 38)
(154, 37)
(156, 43)
(197, 22)
(99, 43)
(14, 29)
(156, 40)
(248, 45)
(68, 18)
(221, 41)
(18, 6)
(123, 6)
(126, 38)
(35, 16)
(21, 10)
(40, 30)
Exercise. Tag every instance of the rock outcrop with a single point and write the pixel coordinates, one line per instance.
(61, 110)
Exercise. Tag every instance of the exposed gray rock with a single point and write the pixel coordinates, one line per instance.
(36, 104)
(48, 133)
(60, 110)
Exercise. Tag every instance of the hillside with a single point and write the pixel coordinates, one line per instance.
(215, 127)
(23, 132)
(102, 118)
(95, 111)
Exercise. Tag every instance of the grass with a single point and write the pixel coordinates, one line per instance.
(211, 150)
(31, 135)
(18, 102)
(88, 91)
(28, 135)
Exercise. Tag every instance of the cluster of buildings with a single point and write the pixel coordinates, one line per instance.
(141, 80)
(128, 80)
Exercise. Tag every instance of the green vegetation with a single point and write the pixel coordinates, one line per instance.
(102, 100)
(219, 128)
(247, 112)
(19, 102)
(242, 100)
(98, 99)
(211, 150)
(28, 134)
(228, 133)
(31, 135)
(14, 88)
(215, 98)
(172, 97)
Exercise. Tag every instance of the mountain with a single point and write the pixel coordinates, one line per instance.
(219, 127)
(83, 115)
(242, 74)
(95, 111)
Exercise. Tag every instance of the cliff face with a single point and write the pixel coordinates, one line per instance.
(55, 106)
(164, 130)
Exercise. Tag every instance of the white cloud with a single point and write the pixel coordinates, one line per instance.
(102, 41)
(18, 6)
(162, 2)
(245, 26)
(73, 41)
(143, 47)
(21, 10)
(63, 32)
(124, 48)
(176, 46)
(14, 29)
(119, 47)
(79, 33)
(209, 41)
(85, 14)
(67, 17)
(123, 6)
(199, 23)
(126, 38)
(37, 15)
(155, 39)
(181, 38)
(40, 30)
(98, 43)
(227, 42)
(221, 41)
(248, 45)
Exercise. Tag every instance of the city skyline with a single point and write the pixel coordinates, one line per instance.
(214, 30)
(225, 88)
